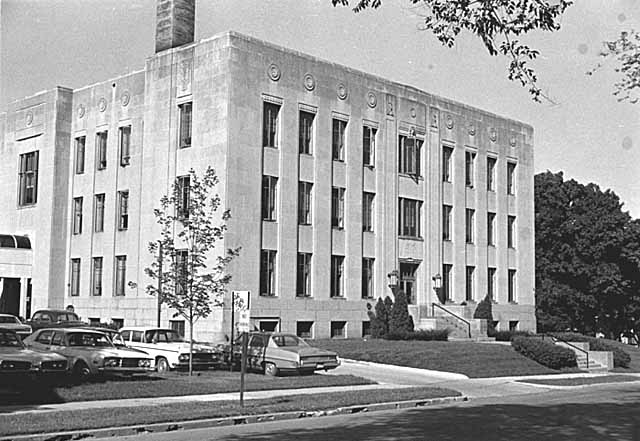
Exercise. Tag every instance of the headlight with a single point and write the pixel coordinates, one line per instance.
(144, 363)
(111, 362)
(183, 357)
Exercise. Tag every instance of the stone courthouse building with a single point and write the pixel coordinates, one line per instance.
(338, 182)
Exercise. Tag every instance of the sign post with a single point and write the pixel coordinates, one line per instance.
(239, 301)
(244, 327)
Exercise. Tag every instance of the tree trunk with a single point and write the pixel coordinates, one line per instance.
(190, 341)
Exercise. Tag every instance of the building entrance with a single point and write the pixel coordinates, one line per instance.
(10, 295)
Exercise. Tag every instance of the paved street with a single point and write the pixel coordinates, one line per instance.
(598, 413)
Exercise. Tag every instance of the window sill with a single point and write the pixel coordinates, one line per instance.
(412, 177)
(418, 239)
(338, 160)
(337, 228)
(25, 206)
(304, 296)
(273, 147)
(369, 166)
(269, 220)
(446, 239)
(338, 297)
(305, 224)
(269, 296)
(368, 231)
(308, 155)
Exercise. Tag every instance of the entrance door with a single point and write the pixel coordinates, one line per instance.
(408, 273)
(10, 296)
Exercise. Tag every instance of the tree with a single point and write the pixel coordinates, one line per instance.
(625, 50)
(400, 321)
(484, 310)
(497, 23)
(191, 280)
(379, 323)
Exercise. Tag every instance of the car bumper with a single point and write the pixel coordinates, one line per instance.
(198, 365)
(124, 370)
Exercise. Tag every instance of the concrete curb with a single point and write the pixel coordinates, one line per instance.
(410, 370)
(230, 421)
(575, 386)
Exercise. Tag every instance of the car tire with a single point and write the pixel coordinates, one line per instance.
(270, 369)
(81, 372)
(162, 365)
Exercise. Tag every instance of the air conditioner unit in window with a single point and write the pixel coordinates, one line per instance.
(125, 160)
(186, 142)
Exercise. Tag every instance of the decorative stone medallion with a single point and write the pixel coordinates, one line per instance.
(472, 129)
(512, 142)
(309, 82)
(372, 100)
(413, 112)
(493, 135)
(29, 118)
(274, 72)
(125, 98)
(102, 104)
(81, 111)
(342, 91)
(449, 122)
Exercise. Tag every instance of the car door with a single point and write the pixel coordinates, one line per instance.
(43, 340)
(255, 351)
(59, 343)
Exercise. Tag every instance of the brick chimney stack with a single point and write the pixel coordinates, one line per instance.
(175, 23)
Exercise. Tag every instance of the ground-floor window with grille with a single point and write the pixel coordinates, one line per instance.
(338, 329)
(304, 329)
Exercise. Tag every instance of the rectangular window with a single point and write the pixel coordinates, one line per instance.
(304, 329)
(367, 278)
(368, 146)
(270, 125)
(511, 231)
(80, 146)
(339, 128)
(513, 325)
(367, 211)
(337, 207)
(268, 273)
(101, 150)
(469, 283)
(469, 172)
(491, 229)
(185, 118)
(338, 329)
(269, 200)
(337, 279)
(447, 154)
(182, 270)
(446, 222)
(98, 213)
(123, 210)
(491, 283)
(303, 279)
(446, 282)
(511, 178)
(491, 173)
(183, 196)
(77, 215)
(306, 133)
(75, 278)
(121, 275)
(304, 202)
(117, 322)
(96, 277)
(178, 326)
(511, 292)
(28, 179)
(125, 144)
(469, 225)
(366, 329)
(409, 155)
(409, 222)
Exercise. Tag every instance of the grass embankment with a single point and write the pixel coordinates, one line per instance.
(99, 418)
(476, 360)
(634, 353)
(173, 384)
(583, 381)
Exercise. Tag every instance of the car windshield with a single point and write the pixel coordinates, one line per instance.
(162, 336)
(288, 340)
(8, 319)
(89, 339)
(9, 339)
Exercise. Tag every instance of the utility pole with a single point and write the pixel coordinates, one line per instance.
(159, 281)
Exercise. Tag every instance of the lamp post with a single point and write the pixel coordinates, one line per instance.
(437, 286)
(393, 281)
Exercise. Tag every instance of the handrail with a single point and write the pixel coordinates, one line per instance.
(433, 313)
(554, 338)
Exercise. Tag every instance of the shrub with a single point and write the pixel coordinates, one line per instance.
(400, 320)
(508, 335)
(484, 310)
(621, 358)
(424, 335)
(544, 352)
(379, 324)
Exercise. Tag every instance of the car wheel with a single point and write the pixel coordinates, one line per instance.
(81, 371)
(270, 369)
(162, 365)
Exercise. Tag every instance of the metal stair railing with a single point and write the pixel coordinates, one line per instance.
(433, 313)
(554, 339)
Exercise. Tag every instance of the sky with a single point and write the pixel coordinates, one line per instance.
(587, 133)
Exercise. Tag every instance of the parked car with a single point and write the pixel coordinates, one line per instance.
(90, 352)
(13, 323)
(54, 318)
(275, 353)
(169, 349)
(16, 361)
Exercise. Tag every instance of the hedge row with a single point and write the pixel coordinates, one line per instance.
(544, 352)
(621, 358)
(508, 335)
(427, 335)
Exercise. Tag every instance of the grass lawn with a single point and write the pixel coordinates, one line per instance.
(634, 353)
(476, 360)
(173, 384)
(97, 418)
(583, 381)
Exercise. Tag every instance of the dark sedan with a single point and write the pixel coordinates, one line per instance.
(16, 361)
(54, 318)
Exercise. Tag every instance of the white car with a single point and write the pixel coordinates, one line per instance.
(169, 349)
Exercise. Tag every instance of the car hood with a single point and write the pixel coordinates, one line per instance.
(15, 327)
(28, 355)
(307, 351)
(184, 347)
(107, 352)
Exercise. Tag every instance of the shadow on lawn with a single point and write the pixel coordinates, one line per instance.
(499, 422)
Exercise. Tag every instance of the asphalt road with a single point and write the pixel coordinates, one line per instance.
(598, 413)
